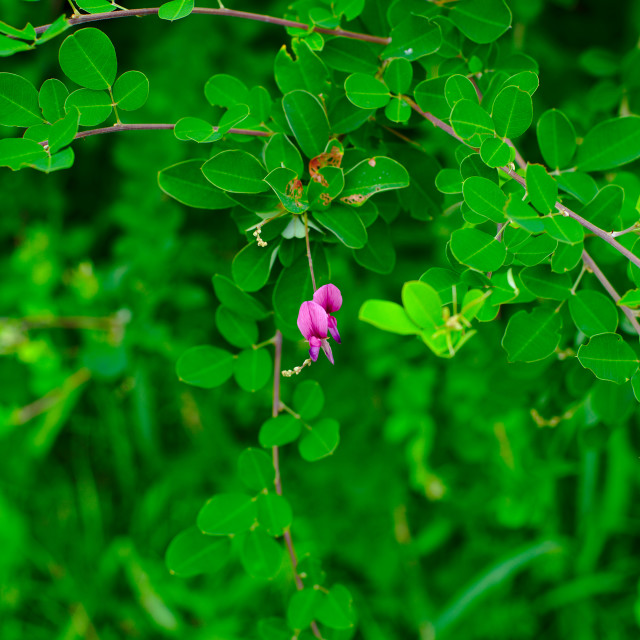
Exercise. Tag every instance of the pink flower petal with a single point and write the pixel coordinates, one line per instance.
(314, 347)
(333, 329)
(327, 351)
(312, 320)
(328, 296)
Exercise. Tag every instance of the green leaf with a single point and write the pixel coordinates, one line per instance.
(251, 267)
(388, 316)
(459, 88)
(238, 330)
(566, 257)
(55, 162)
(605, 208)
(482, 21)
(186, 183)
(512, 112)
(610, 144)
(260, 104)
(9, 46)
(532, 336)
(308, 121)
(523, 215)
(223, 90)
(274, 513)
(592, 312)
(64, 131)
(477, 249)
(542, 188)
(94, 106)
(413, 38)
(237, 300)
(205, 366)
(261, 556)
(526, 80)
(95, 6)
(609, 357)
(191, 553)
(449, 181)
(564, 229)
(16, 153)
(235, 171)
(307, 72)
(422, 304)
(89, 58)
(175, 9)
(345, 224)
(196, 129)
(336, 609)
(281, 152)
(279, 431)
(321, 441)
(18, 102)
(397, 110)
(429, 96)
(28, 33)
(378, 254)
(471, 122)
(350, 56)
(38, 132)
(630, 299)
(556, 139)
(256, 470)
(131, 90)
(253, 369)
(227, 514)
(52, 97)
(543, 283)
(308, 399)
(485, 198)
(372, 176)
(398, 75)
(535, 250)
(288, 188)
(366, 92)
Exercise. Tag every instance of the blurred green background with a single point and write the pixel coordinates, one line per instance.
(454, 498)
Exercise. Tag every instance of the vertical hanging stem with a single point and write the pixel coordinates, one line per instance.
(306, 237)
(275, 410)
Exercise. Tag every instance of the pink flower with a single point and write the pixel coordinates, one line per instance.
(313, 324)
(328, 296)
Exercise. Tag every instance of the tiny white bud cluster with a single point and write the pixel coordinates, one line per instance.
(256, 235)
(296, 370)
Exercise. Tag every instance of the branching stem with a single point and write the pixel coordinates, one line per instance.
(110, 15)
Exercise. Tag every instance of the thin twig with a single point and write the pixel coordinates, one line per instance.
(306, 237)
(154, 127)
(595, 269)
(48, 401)
(631, 229)
(276, 407)
(110, 15)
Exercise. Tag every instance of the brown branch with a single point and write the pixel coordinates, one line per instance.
(110, 15)
(154, 127)
(48, 401)
(595, 269)
(276, 407)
